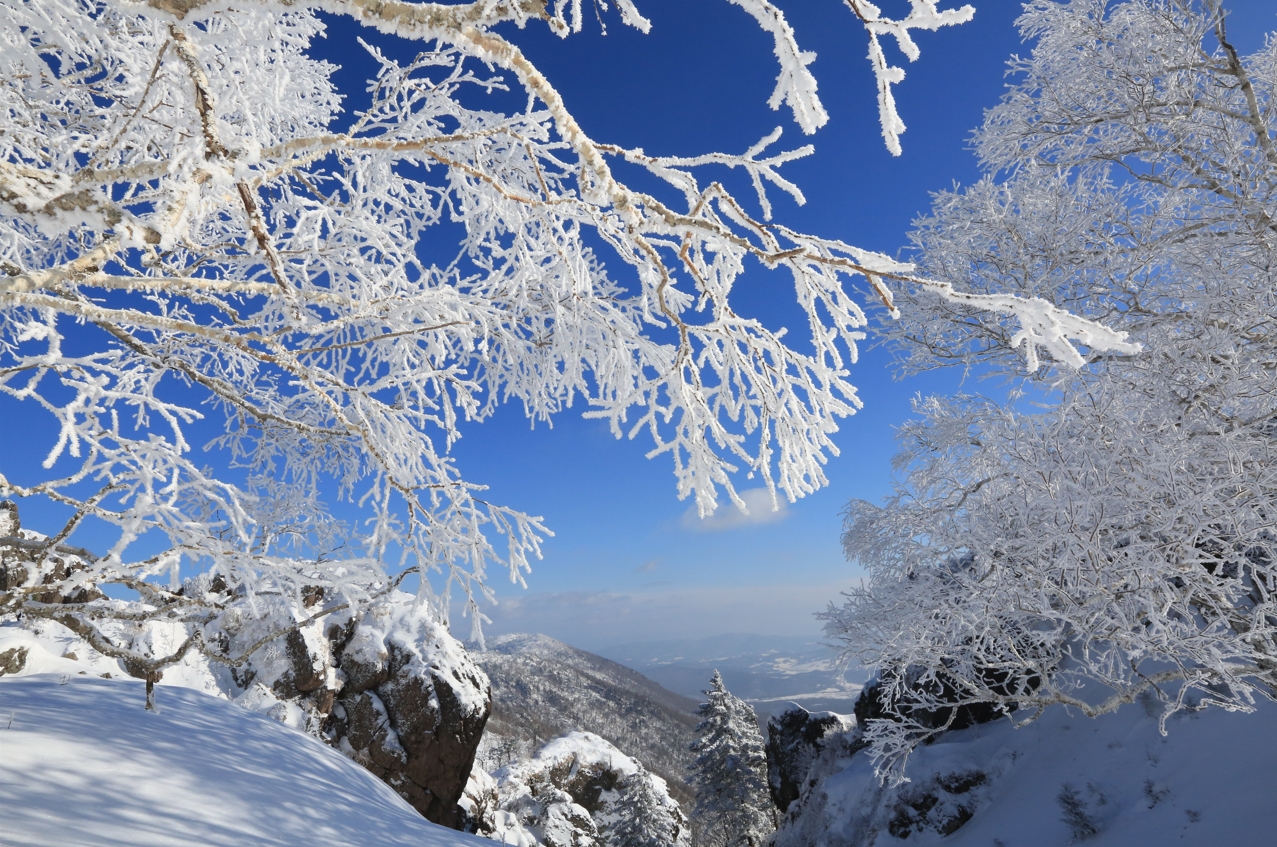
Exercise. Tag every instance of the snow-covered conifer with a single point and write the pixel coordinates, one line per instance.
(733, 805)
(644, 817)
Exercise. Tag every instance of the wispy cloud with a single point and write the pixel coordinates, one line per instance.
(592, 619)
(649, 566)
(758, 505)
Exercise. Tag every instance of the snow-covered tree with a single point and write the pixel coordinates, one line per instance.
(189, 232)
(1106, 533)
(733, 804)
(644, 817)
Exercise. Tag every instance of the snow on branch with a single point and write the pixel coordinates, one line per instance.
(186, 237)
(795, 85)
(629, 15)
(400, 17)
(1042, 324)
(923, 15)
(676, 170)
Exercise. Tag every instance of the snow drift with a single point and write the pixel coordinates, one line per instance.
(82, 763)
(1111, 781)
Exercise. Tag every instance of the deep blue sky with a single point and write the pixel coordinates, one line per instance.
(625, 565)
(628, 563)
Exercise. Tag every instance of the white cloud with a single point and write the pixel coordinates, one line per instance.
(758, 503)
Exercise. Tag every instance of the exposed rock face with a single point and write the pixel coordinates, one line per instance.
(794, 739)
(942, 804)
(13, 660)
(870, 706)
(392, 689)
(412, 707)
(417, 718)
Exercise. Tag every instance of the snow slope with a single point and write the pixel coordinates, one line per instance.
(1210, 782)
(81, 763)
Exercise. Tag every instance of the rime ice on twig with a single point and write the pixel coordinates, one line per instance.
(1112, 540)
(923, 15)
(176, 200)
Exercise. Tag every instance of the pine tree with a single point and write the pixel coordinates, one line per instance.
(643, 818)
(729, 775)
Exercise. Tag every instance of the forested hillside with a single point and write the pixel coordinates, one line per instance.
(543, 688)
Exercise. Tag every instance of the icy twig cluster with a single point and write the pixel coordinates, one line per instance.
(923, 15)
(1114, 538)
(191, 250)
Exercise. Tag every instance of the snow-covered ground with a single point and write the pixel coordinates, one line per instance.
(81, 763)
(1108, 782)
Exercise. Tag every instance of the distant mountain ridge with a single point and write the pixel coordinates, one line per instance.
(768, 672)
(543, 688)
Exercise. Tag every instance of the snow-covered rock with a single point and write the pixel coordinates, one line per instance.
(1112, 781)
(570, 793)
(81, 763)
(47, 648)
(16, 554)
(795, 738)
(391, 689)
(413, 706)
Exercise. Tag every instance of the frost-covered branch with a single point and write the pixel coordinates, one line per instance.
(1115, 538)
(191, 239)
(923, 15)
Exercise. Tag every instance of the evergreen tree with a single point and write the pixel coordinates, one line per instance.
(645, 818)
(729, 775)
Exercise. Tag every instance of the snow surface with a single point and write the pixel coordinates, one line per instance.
(51, 648)
(583, 749)
(1210, 782)
(538, 806)
(82, 763)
